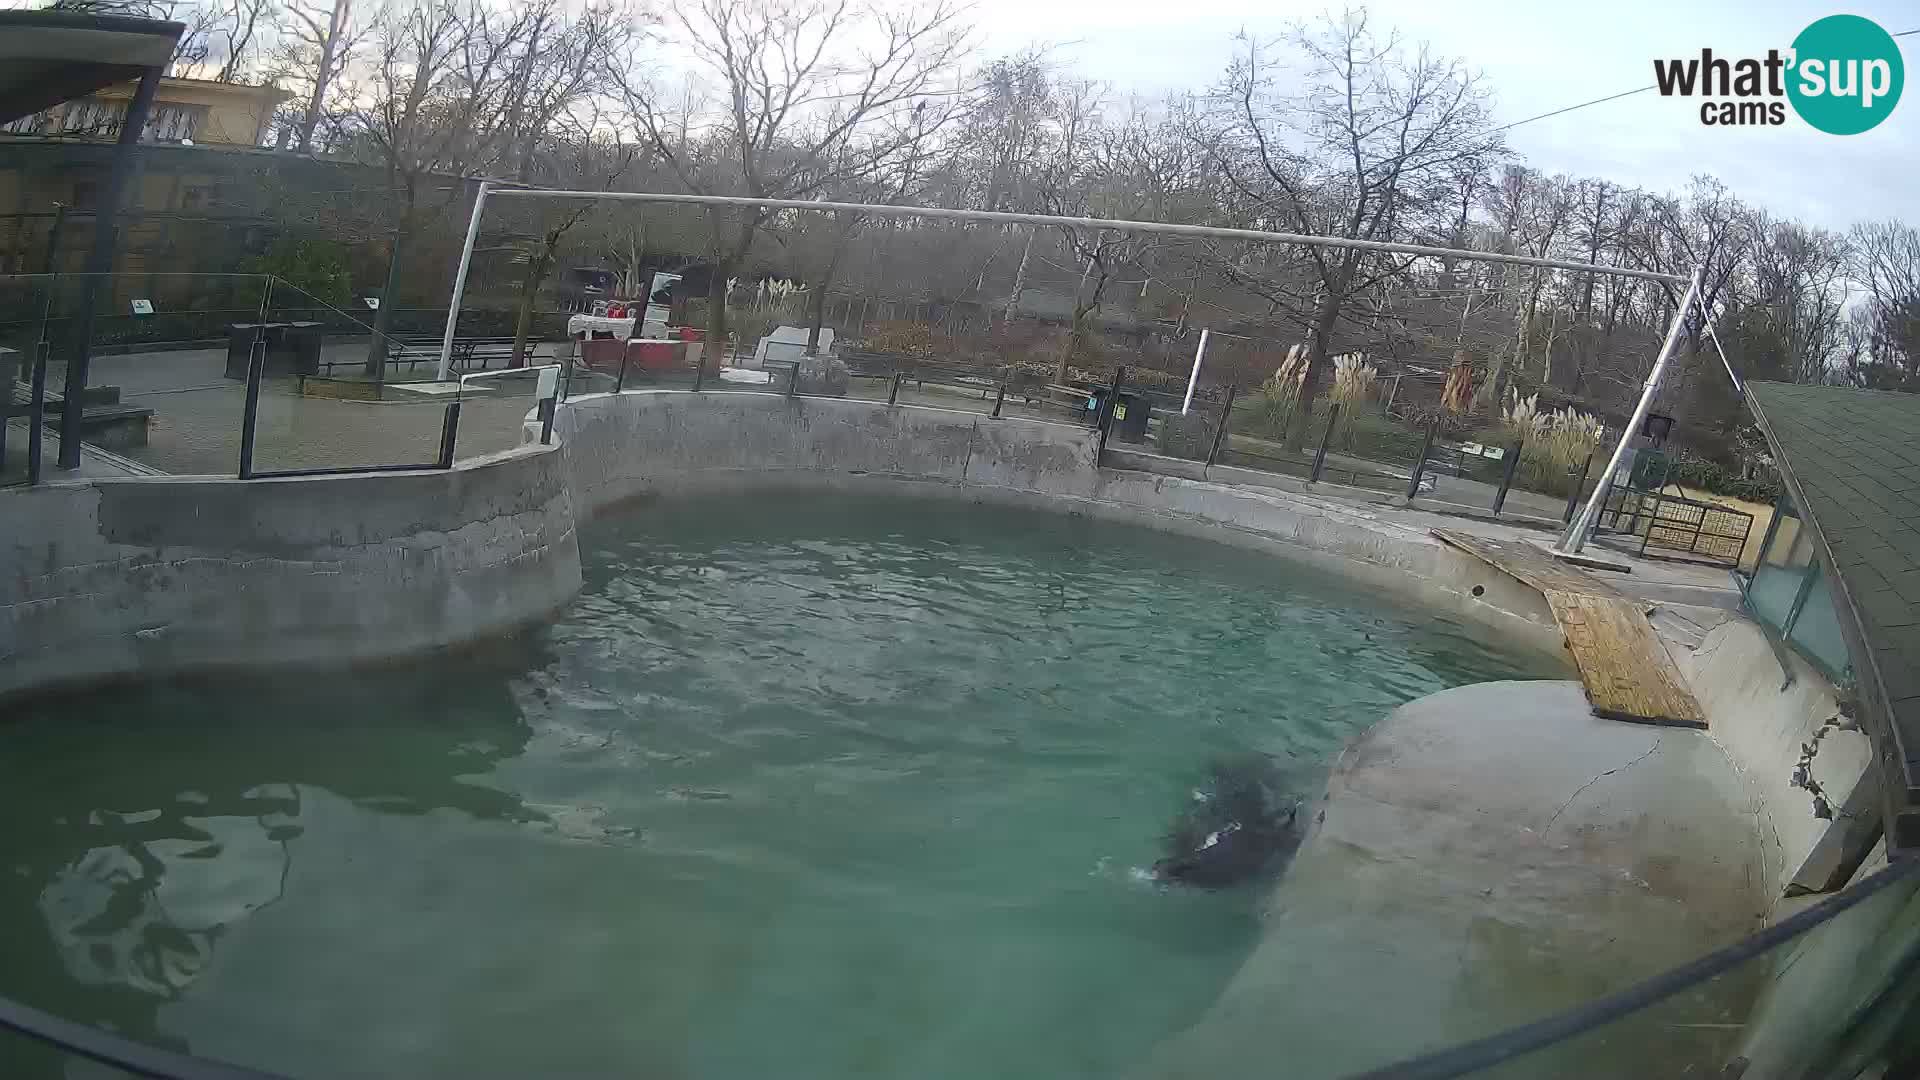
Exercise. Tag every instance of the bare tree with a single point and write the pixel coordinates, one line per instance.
(1886, 263)
(1787, 320)
(428, 115)
(813, 92)
(1371, 151)
(318, 44)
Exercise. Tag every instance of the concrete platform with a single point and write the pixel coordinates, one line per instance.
(1487, 856)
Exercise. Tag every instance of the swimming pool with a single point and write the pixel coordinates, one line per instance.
(808, 786)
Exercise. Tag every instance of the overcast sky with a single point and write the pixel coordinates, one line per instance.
(1538, 56)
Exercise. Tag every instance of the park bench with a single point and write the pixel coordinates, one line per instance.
(469, 353)
(104, 419)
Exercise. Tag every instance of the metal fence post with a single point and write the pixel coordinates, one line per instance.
(700, 371)
(1506, 478)
(893, 388)
(1220, 429)
(1103, 418)
(1420, 466)
(250, 414)
(1326, 438)
(793, 380)
(620, 383)
(1000, 398)
(449, 433)
(37, 412)
(1573, 497)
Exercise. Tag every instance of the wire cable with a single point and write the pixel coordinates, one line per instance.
(1582, 105)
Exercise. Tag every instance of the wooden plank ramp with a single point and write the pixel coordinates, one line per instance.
(1627, 672)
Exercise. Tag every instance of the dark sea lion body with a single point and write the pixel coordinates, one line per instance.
(1239, 828)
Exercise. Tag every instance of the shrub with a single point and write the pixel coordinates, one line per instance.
(901, 338)
(1704, 474)
(313, 264)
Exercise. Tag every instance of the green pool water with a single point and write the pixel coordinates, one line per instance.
(797, 787)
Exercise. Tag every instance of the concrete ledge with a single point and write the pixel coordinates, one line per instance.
(1504, 855)
(663, 442)
(155, 575)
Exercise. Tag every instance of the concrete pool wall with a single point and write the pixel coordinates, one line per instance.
(158, 575)
(632, 445)
(146, 576)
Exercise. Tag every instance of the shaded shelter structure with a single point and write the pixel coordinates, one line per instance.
(1838, 577)
(47, 57)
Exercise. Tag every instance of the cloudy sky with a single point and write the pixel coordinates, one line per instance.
(1539, 56)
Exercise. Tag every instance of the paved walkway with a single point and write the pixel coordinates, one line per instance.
(197, 416)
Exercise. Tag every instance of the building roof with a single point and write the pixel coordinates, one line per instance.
(47, 57)
(1851, 459)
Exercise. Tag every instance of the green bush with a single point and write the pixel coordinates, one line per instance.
(313, 264)
(1704, 474)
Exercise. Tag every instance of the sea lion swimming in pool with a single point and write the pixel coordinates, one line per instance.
(1239, 827)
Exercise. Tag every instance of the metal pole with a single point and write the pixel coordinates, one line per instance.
(100, 264)
(1103, 418)
(1420, 466)
(449, 433)
(37, 412)
(1506, 478)
(459, 282)
(700, 369)
(1220, 429)
(1573, 497)
(53, 237)
(1000, 398)
(1052, 221)
(793, 380)
(893, 388)
(1326, 437)
(1194, 378)
(620, 384)
(1576, 535)
(250, 413)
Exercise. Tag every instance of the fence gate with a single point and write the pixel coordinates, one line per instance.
(1640, 513)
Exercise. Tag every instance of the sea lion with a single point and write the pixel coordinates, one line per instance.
(1240, 826)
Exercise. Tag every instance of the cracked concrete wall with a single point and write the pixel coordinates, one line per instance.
(1765, 726)
(649, 443)
(164, 574)
(658, 442)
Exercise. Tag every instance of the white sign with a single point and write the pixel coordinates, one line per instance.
(143, 307)
(373, 302)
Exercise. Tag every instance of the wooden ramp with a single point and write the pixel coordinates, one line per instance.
(1624, 667)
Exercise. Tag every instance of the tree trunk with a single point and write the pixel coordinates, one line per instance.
(1319, 358)
(376, 366)
(717, 295)
(1075, 338)
(321, 77)
(536, 273)
(1019, 281)
(818, 315)
(716, 316)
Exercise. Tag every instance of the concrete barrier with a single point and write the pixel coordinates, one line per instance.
(662, 442)
(154, 575)
(621, 446)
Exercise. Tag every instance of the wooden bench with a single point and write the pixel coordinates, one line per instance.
(411, 349)
(104, 419)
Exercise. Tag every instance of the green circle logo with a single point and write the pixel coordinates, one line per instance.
(1846, 75)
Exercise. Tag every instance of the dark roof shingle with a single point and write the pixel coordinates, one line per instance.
(1851, 455)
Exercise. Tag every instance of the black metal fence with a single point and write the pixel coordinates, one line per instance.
(1676, 525)
(251, 376)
